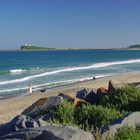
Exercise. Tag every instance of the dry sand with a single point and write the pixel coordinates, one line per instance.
(11, 107)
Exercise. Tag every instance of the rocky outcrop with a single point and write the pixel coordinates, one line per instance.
(52, 132)
(102, 90)
(44, 120)
(81, 94)
(67, 97)
(42, 106)
(19, 122)
(132, 120)
(72, 99)
(93, 97)
(113, 86)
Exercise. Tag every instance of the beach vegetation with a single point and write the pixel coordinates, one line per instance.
(136, 46)
(124, 99)
(63, 114)
(86, 117)
(126, 133)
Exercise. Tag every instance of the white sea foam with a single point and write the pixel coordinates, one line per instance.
(16, 71)
(13, 89)
(93, 66)
(51, 84)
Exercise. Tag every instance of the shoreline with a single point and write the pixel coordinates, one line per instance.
(70, 49)
(67, 85)
(11, 107)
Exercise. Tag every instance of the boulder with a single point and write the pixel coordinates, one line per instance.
(70, 98)
(132, 120)
(93, 97)
(81, 94)
(113, 86)
(67, 97)
(42, 106)
(102, 90)
(43, 120)
(19, 122)
(138, 86)
(52, 132)
(30, 134)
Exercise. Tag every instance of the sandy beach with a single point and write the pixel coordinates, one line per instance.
(11, 107)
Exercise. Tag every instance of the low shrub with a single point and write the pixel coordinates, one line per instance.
(86, 116)
(63, 114)
(126, 98)
(91, 116)
(127, 133)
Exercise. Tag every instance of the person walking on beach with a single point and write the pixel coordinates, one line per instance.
(30, 88)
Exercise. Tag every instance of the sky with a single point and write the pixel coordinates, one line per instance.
(69, 23)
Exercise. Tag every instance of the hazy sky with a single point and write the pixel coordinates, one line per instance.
(69, 23)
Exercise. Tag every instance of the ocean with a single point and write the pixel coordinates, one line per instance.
(47, 69)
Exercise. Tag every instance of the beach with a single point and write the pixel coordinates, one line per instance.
(11, 107)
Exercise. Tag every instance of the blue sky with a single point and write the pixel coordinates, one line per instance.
(69, 23)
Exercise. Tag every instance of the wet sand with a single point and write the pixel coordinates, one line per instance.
(11, 107)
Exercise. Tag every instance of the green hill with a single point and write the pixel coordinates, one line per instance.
(31, 47)
(137, 46)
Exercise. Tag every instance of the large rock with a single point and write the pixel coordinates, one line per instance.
(30, 134)
(70, 98)
(43, 105)
(113, 86)
(19, 122)
(131, 120)
(52, 132)
(93, 97)
(67, 97)
(138, 86)
(81, 94)
(44, 120)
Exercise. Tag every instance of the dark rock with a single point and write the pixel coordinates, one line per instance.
(81, 94)
(30, 134)
(138, 86)
(42, 106)
(52, 132)
(47, 116)
(113, 86)
(102, 90)
(43, 121)
(19, 122)
(132, 120)
(93, 98)
(22, 121)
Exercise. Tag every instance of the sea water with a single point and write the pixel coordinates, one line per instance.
(46, 69)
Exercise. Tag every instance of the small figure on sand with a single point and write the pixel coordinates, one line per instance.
(30, 88)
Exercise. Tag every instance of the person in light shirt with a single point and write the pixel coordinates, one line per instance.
(30, 88)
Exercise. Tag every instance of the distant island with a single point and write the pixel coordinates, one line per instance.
(32, 47)
(137, 46)
(28, 47)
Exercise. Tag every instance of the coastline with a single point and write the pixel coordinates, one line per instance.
(11, 107)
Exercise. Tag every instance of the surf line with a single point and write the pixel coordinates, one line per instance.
(96, 65)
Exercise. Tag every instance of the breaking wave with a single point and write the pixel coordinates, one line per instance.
(17, 71)
(93, 66)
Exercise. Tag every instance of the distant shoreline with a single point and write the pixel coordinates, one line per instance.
(67, 49)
